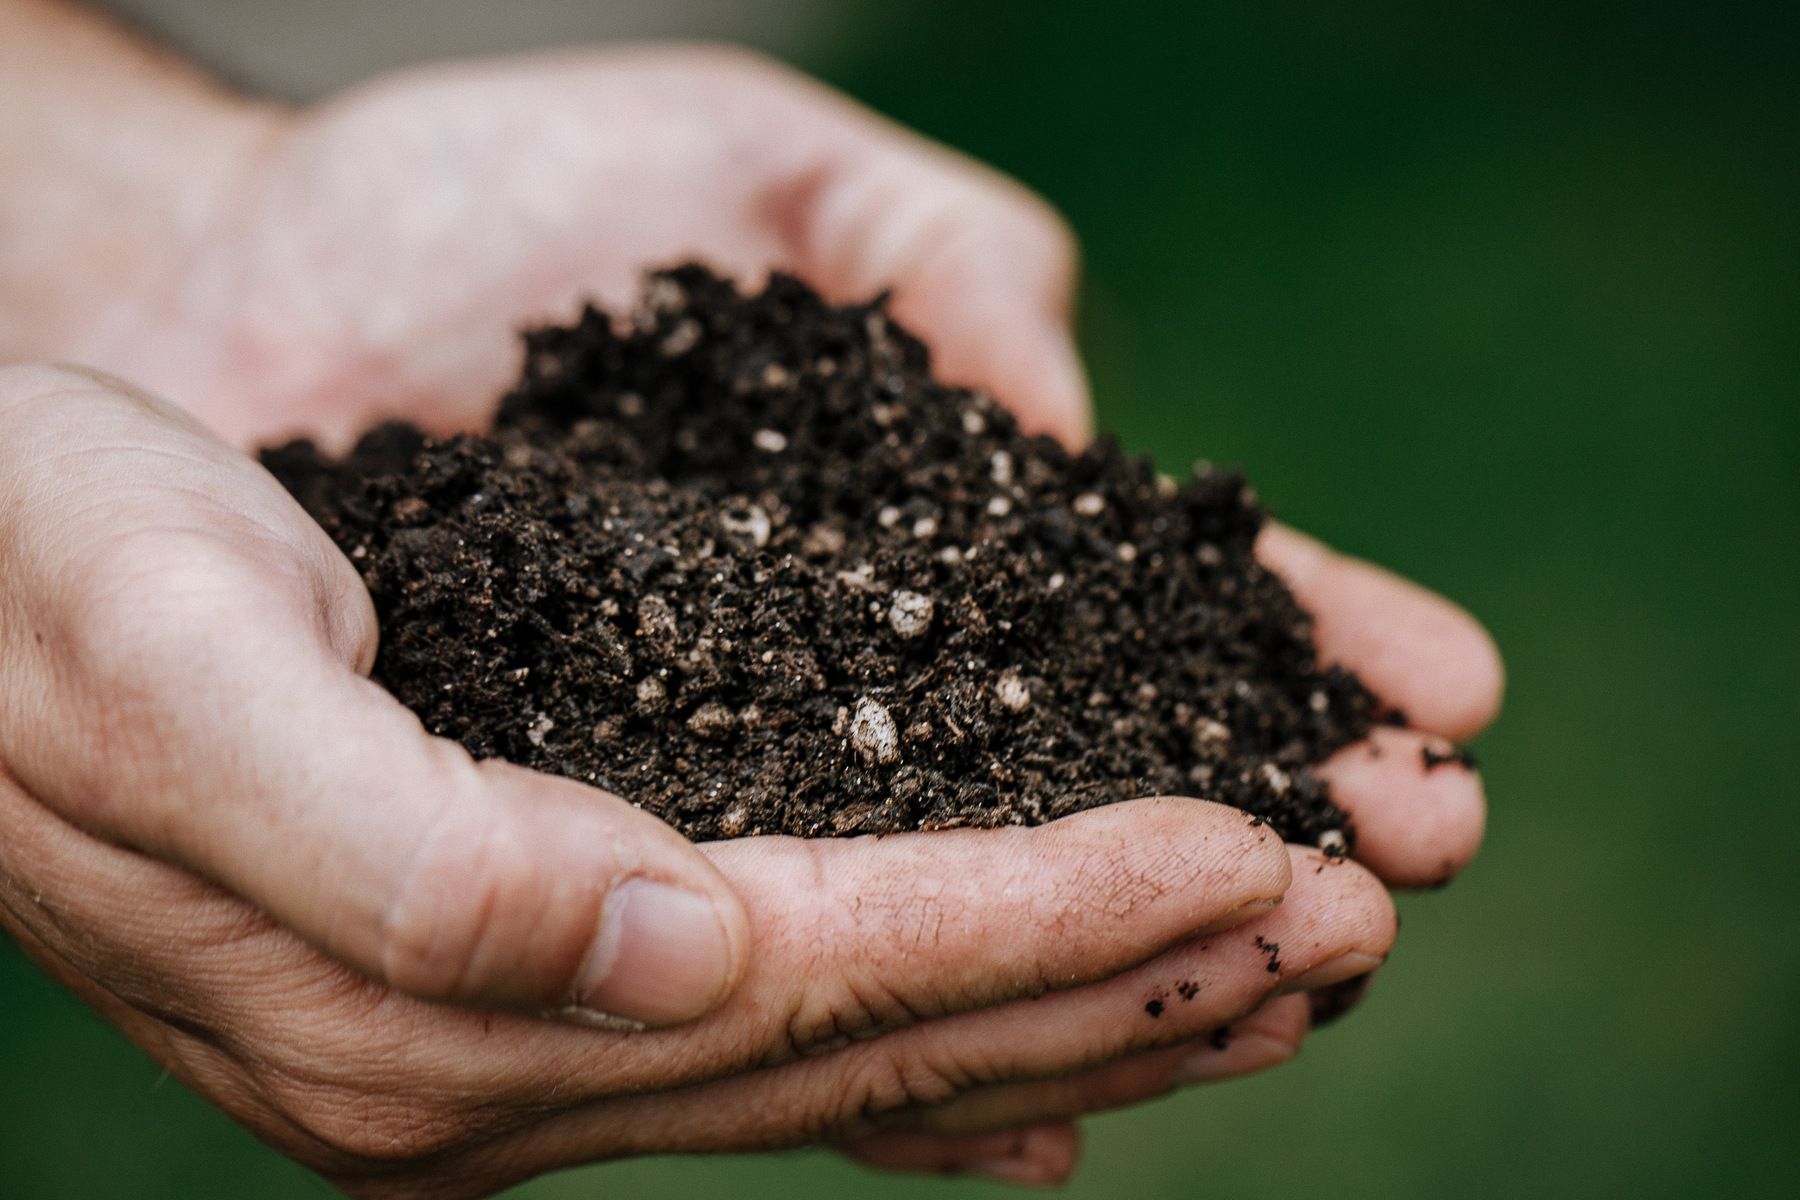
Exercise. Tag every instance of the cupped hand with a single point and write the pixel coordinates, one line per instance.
(372, 258)
(349, 935)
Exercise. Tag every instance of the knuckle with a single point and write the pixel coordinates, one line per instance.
(838, 1000)
(348, 1124)
(889, 1080)
(843, 999)
(841, 1011)
(449, 907)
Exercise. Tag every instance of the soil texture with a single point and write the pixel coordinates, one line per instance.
(741, 560)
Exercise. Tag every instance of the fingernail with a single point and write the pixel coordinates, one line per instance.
(661, 956)
(1344, 966)
(1238, 916)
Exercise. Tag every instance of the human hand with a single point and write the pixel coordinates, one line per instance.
(371, 258)
(344, 932)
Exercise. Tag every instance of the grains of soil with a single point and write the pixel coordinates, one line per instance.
(745, 563)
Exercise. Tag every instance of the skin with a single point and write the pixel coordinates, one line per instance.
(347, 934)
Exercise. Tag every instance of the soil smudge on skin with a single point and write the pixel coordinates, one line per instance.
(742, 561)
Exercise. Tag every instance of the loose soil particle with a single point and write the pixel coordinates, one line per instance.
(744, 562)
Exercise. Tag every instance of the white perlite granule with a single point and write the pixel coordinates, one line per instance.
(911, 614)
(872, 733)
(1012, 693)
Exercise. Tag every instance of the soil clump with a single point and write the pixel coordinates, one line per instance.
(742, 561)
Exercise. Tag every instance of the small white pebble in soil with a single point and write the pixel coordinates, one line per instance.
(1012, 692)
(1332, 843)
(768, 656)
(1209, 554)
(872, 733)
(1275, 777)
(974, 424)
(1090, 504)
(911, 614)
(999, 506)
(1319, 702)
(519, 675)
(1146, 695)
(712, 721)
(888, 517)
(1166, 487)
(1000, 468)
(840, 725)
(733, 822)
(925, 527)
(754, 524)
(1127, 552)
(651, 692)
(1056, 581)
(950, 554)
(771, 440)
(1200, 774)
(774, 376)
(538, 728)
(609, 607)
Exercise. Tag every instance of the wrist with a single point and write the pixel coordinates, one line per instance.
(116, 161)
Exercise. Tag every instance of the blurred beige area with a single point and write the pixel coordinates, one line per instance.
(303, 49)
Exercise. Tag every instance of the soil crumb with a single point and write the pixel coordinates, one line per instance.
(743, 561)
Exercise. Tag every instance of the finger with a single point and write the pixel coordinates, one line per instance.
(1414, 649)
(1038, 1156)
(1336, 922)
(1266, 1038)
(1418, 821)
(857, 937)
(183, 658)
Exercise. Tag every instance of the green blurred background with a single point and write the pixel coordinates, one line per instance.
(1507, 298)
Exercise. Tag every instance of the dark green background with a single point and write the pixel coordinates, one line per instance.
(1510, 301)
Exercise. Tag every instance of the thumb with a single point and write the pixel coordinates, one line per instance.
(179, 674)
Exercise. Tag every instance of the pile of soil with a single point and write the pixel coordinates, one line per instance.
(745, 563)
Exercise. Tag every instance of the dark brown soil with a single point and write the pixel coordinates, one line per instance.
(746, 564)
